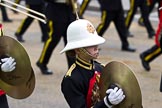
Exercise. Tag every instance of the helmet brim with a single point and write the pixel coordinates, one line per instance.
(91, 41)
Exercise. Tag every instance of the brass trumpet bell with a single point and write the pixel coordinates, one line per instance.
(121, 75)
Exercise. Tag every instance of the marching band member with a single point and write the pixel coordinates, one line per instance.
(113, 11)
(80, 84)
(134, 4)
(4, 13)
(151, 4)
(36, 5)
(57, 26)
(153, 52)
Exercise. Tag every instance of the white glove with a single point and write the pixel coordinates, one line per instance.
(8, 64)
(114, 97)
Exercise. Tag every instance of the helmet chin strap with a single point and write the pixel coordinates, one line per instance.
(85, 54)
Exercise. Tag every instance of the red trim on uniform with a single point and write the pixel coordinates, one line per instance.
(0, 26)
(2, 92)
(91, 86)
(159, 30)
(89, 95)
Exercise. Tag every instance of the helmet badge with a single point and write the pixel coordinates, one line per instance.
(90, 28)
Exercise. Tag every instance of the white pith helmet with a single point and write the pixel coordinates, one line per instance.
(81, 33)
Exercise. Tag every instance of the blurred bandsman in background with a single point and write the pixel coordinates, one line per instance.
(5, 17)
(60, 14)
(14, 6)
(151, 4)
(112, 10)
(150, 54)
(134, 4)
(36, 5)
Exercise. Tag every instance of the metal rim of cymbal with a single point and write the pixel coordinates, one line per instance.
(20, 91)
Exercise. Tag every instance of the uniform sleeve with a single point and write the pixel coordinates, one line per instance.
(73, 93)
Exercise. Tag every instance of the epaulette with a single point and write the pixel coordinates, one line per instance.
(70, 70)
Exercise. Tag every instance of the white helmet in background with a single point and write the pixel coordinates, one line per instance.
(81, 33)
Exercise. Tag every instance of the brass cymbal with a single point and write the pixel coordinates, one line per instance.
(19, 91)
(11, 47)
(121, 75)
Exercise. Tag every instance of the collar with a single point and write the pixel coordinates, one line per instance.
(84, 64)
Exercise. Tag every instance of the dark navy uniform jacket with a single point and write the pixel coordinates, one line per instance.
(76, 83)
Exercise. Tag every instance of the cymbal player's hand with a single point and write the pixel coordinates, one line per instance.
(8, 64)
(113, 97)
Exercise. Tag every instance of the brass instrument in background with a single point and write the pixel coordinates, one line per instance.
(42, 17)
